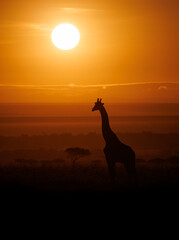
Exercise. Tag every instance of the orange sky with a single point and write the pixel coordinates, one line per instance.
(125, 46)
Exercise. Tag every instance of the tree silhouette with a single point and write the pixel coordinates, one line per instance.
(76, 153)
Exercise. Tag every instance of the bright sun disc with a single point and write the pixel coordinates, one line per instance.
(65, 36)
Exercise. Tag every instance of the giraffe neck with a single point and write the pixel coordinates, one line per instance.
(106, 130)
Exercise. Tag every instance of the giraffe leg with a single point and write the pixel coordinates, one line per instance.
(112, 171)
(130, 167)
(129, 174)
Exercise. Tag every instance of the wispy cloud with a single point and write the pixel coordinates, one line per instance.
(80, 10)
(26, 25)
(119, 84)
(36, 26)
(104, 86)
(162, 88)
(24, 29)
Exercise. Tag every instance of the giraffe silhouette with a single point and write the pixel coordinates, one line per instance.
(115, 150)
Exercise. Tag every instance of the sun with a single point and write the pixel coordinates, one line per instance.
(65, 36)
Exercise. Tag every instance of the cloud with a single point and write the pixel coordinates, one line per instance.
(162, 88)
(80, 10)
(72, 85)
(36, 26)
(104, 86)
(26, 25)
(26, 29)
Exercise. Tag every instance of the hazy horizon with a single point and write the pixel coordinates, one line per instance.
(84, 109)
(30, 119)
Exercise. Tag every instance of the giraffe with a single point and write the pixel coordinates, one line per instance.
(115, 150)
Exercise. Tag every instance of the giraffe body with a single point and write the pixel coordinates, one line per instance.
(115, 150)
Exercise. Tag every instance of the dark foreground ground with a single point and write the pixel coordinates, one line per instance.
(81, 198)
(156, 183)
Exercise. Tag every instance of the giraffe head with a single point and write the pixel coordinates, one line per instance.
(98, 105)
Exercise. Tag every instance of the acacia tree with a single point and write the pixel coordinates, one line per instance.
(77, 153)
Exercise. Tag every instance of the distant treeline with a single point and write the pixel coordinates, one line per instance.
(143, 140)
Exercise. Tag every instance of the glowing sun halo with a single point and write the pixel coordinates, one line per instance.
(65, 36)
